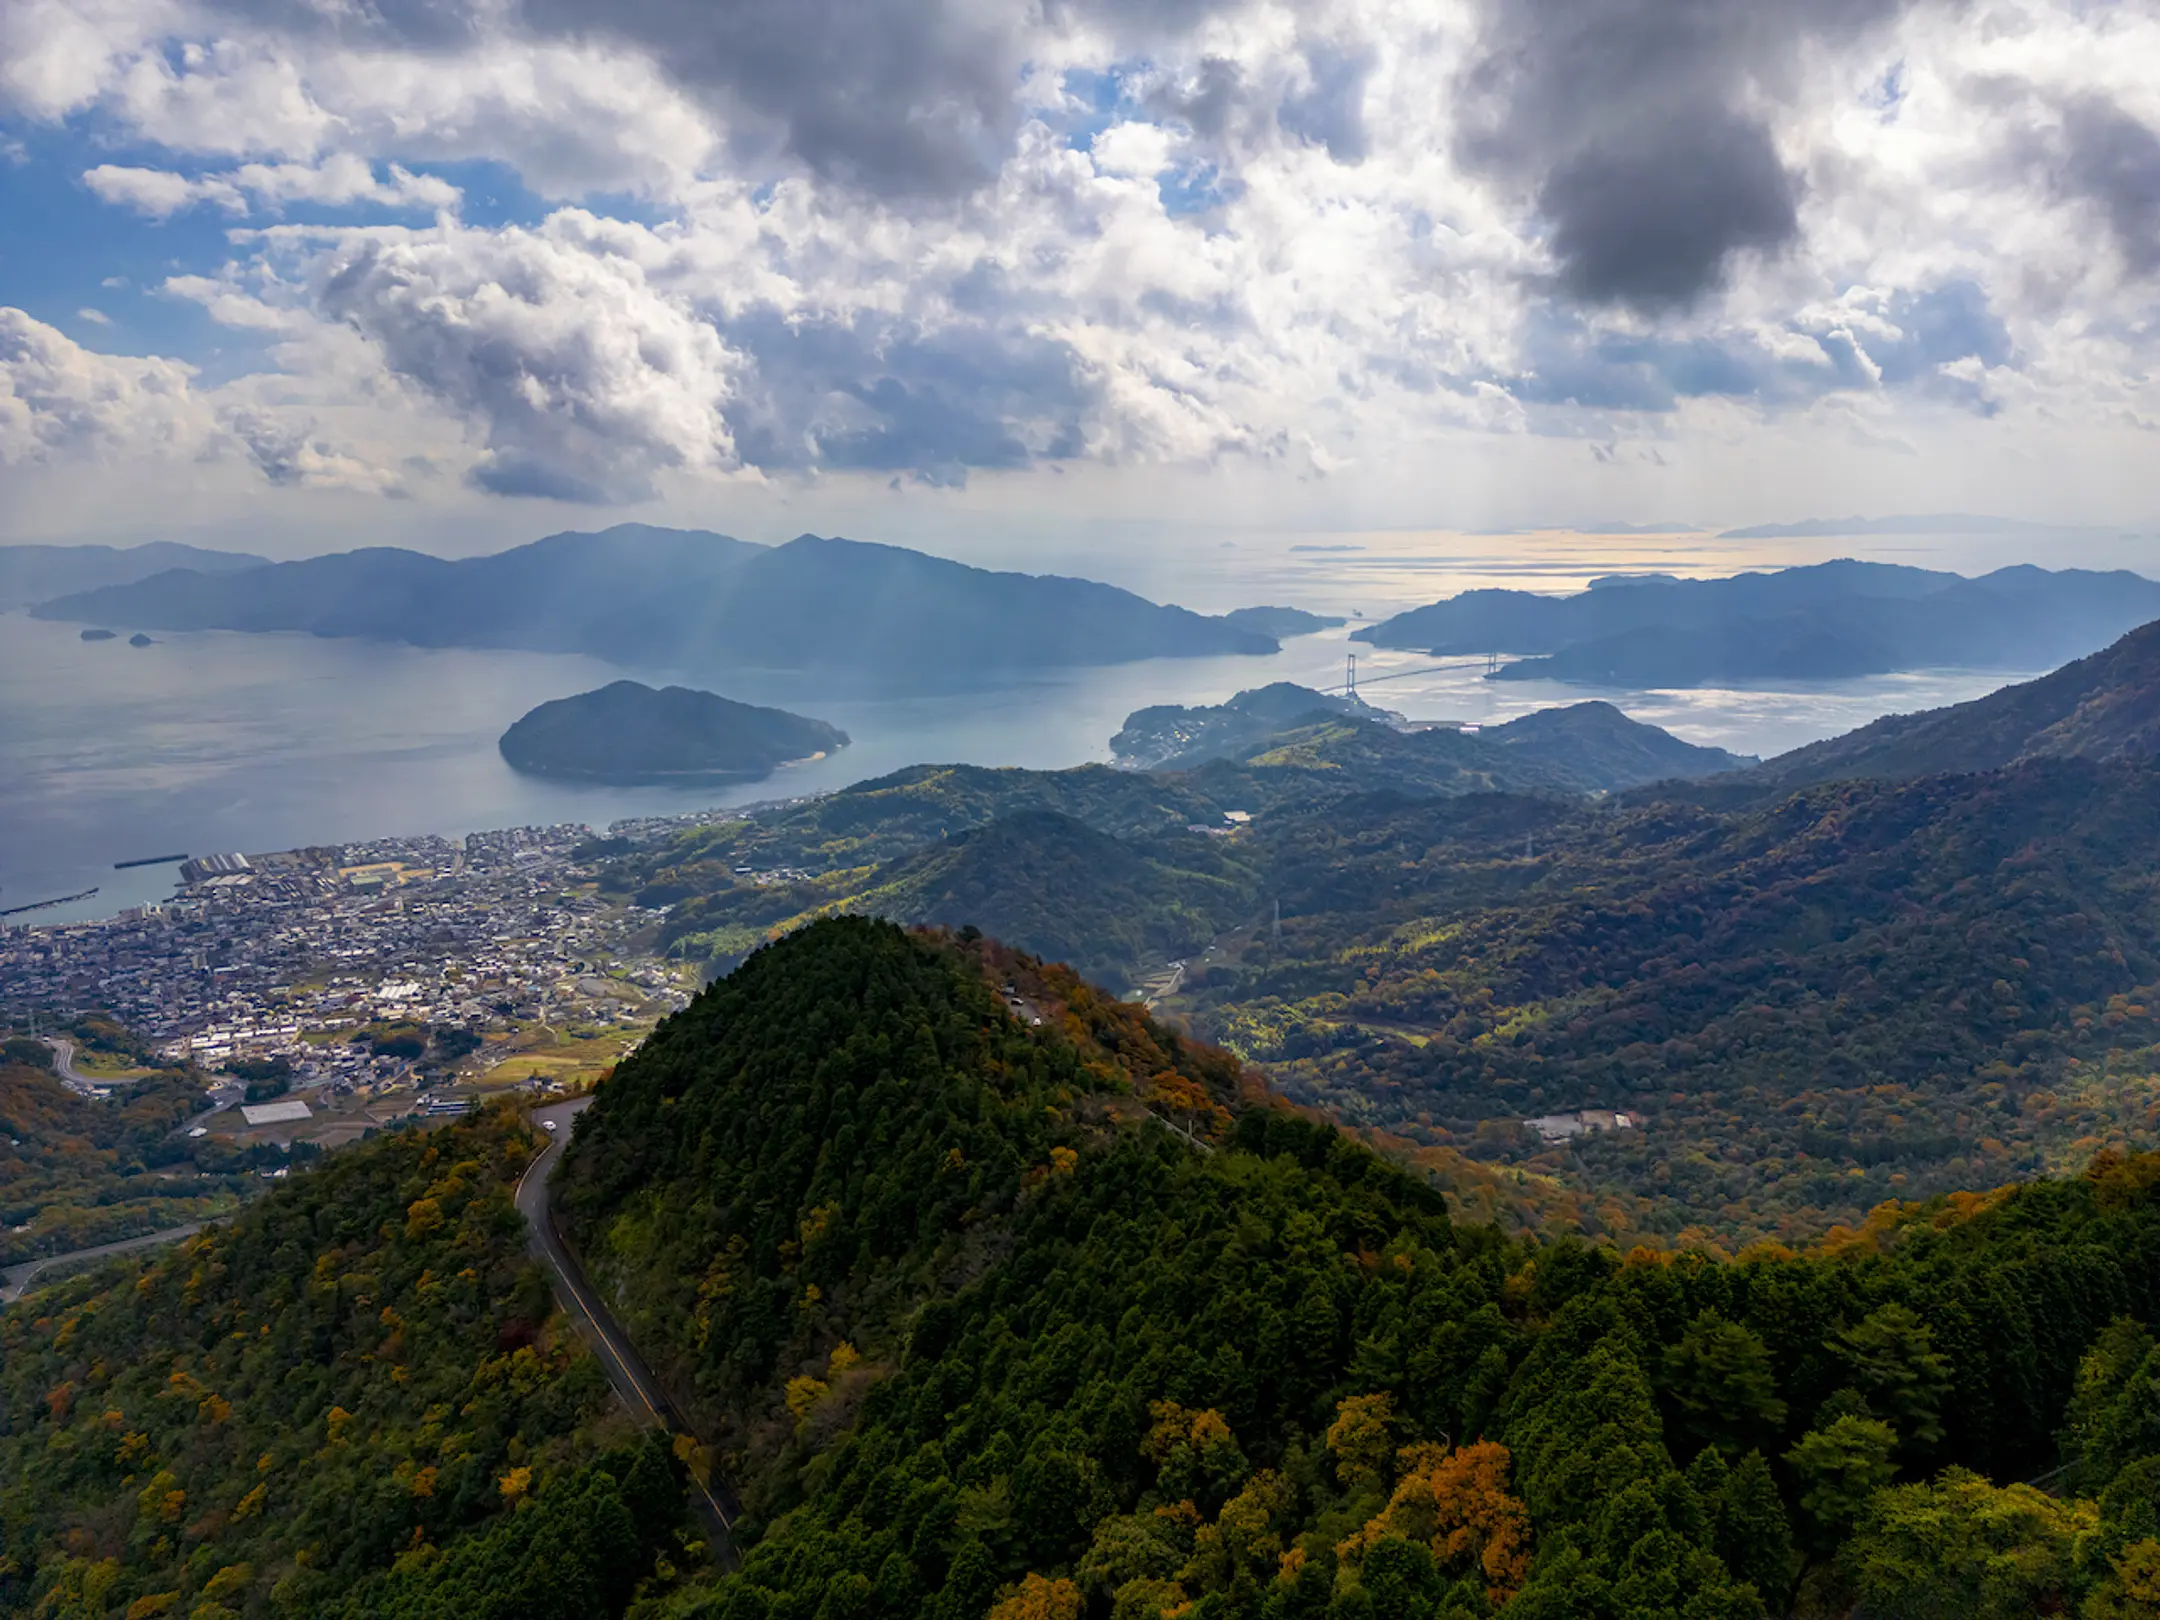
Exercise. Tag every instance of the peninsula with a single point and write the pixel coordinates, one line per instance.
(627, 732)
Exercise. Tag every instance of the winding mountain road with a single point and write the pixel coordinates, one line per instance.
(632, 1380)
(63, 1052)
(16, 1280)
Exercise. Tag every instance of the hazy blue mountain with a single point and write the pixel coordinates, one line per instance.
(627, 732)
(1910, 523)
(33, 573)
(1280, 622)
(1829, 621)
(648, 597)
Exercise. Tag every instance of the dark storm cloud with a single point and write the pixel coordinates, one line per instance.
(1650, 219)
(2113, 160)
(902, 98)
(1638, 127)
(899, 96)
(1331, 109)
(1205, 102)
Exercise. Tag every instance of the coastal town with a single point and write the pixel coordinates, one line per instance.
(409, 972)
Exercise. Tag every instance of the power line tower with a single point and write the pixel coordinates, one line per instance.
(1278, 924)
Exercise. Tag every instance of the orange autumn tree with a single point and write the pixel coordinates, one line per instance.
(1039, 1599)
(1458, 1504)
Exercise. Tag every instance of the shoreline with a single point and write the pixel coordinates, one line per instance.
(712, 778)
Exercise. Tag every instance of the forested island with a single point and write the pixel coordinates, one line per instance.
(627, 732)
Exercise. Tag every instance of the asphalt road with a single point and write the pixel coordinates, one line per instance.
(16, 1280)
(64, 1064)
(633, 1381)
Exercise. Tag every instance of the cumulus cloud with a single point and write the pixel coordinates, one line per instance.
(60, 400)
(291, 453)
(583, 378)
(941, 236)
(340, 181)
(62, 404)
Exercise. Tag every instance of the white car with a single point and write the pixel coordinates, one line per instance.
(547, 1124)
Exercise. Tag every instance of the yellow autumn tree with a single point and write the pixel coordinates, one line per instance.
(1175, 1425)
(2131, 1590)
(803, 1394)
(1359, 1437)
(1039, 1599)
(1458, 1504)
(1246, 1537)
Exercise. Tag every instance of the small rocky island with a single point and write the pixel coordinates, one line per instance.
(628, 733)
(99, 635)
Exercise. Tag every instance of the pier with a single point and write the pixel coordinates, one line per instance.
(150, 860)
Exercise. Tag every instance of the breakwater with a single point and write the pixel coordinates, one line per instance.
(46, 905)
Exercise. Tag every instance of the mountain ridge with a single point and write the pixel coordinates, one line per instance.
(1831, 620)
(647, 597)
(33, 573)
(2105, 706)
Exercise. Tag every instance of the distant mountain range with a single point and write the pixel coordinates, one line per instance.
(670, 598)
(1911, 523)
(1831, 621)
(627, 732)
(35, 573)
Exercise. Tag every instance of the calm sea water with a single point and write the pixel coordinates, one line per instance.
(221, 741)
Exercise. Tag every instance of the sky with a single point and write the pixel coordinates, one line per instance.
(303, 274)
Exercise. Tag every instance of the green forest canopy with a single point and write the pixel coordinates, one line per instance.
(977, 1330)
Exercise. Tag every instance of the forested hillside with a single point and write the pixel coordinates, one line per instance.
(1809, 1002)
(1868, 991)
(2106, 706)
(77, 1171)
(354, 1402)
(980, 1340)
(1095, 866)
(998, 1319)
